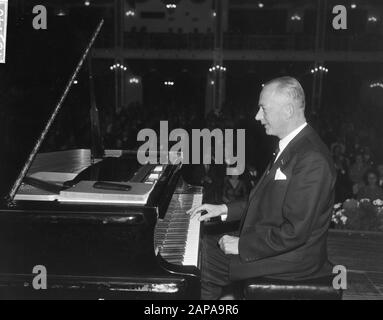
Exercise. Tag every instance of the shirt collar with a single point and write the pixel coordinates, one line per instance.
(286, 140)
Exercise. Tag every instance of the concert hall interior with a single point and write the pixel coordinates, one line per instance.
(84, 79)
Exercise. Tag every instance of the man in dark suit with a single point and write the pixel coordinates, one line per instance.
(284, 223)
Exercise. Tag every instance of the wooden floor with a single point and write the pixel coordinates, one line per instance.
(362, 255)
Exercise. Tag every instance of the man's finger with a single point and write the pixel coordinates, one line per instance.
(193, 211)
(220, 244)
(205, 217)
(221, 240)
(196, 211)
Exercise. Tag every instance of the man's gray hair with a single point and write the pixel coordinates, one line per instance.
(292, 88)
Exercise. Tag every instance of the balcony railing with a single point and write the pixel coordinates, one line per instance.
(274, 42)
(168, 41)
(172, 41)
(364, 42)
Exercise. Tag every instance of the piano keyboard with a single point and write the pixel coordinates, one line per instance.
(177, 236)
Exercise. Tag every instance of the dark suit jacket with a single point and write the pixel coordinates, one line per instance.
(284, 223)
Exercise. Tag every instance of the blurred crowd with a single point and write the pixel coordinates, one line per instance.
(121, 133)
(355, 145)
(355, 141)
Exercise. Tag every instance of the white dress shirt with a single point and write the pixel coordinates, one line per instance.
(286, 140)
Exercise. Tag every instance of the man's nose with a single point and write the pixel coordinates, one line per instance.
(259, 115)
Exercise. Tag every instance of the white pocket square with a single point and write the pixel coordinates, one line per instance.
(279, 175)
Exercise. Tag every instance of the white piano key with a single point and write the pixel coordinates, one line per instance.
(169, 235)
(193, 236)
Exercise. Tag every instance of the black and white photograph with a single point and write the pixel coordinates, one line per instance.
(190, 155)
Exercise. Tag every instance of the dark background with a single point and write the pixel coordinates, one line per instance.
(39, 63)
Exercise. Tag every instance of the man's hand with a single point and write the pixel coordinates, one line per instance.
(229, 244)
(211, 211)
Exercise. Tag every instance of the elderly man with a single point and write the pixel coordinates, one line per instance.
(285, 220)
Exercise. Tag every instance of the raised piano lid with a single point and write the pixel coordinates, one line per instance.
(86, 241)
(66, 162)
(39, 65)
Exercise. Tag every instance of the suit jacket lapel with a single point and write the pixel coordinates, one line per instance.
(277, 164)
(252, 192)
(281, 161)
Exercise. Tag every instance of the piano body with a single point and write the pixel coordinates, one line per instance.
(98, 248)
(103, 250)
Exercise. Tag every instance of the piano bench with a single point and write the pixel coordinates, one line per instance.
(273, 289)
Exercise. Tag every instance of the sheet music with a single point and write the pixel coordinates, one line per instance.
(86, 193)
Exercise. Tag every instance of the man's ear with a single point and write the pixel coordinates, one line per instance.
(289, 110)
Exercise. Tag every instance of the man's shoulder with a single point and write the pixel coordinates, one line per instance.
(310, 142)
(311, 146)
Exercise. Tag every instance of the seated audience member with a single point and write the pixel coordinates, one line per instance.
(371, 189)
(357, 171)
(250, 176)
(368, 157)
(343, 184)
(210, 176)
(234, 189)
(338, 150)
(380, 172)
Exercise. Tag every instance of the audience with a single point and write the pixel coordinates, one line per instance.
(353, 142)
(357, 172)
(341, 162)
(234, 188)
(380, 172)
(250, 176)
(370, 190)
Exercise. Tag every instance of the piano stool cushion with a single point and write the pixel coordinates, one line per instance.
(272, 289)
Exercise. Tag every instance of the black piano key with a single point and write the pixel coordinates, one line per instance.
(171, 232)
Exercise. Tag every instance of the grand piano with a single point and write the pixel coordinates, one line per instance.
(134, 246)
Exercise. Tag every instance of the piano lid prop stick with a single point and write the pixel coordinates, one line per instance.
(97, 146)
(53, 116)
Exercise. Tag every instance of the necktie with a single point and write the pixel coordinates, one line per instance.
(275, 154)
